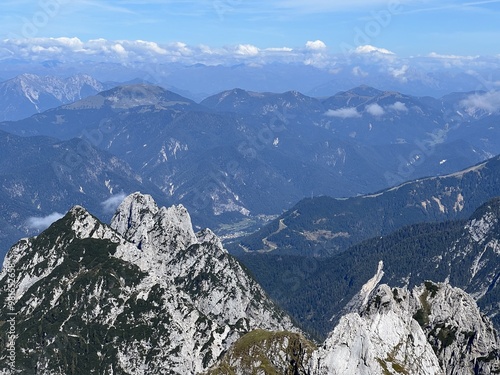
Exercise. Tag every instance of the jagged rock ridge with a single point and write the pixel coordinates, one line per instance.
(432, 329)
(145, 295)
(148, 295)
(28, 94)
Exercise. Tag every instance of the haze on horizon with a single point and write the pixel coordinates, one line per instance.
(403, 27)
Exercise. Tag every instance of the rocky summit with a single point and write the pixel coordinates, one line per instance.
(148, 295)
(433, 329)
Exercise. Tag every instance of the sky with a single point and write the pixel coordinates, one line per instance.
(404, 27)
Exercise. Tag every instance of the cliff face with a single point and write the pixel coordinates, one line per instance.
(145, 295)
(433, 329)
(463, 339)
(380, 337)
(148, 295)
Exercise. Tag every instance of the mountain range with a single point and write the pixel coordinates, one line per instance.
(323, 226)
(239, 157)
(315, 291)
(148, 295)
(436, 76)
(27, 94)
(42, 177)
(375, 221)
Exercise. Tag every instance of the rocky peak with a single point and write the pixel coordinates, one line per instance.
(50, 247)
(463, 339)
(381, 338)
(152, 229)
(134, 215)
(434, 329)
(146, 297)
(85, 225)
(197, 263)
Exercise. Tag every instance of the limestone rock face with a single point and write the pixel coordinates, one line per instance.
(433, 329)
(465, 341)
(380, 338)
(145, 295)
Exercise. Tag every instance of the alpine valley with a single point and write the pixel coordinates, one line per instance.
(353, 232)
(240, 158)
(148, 295)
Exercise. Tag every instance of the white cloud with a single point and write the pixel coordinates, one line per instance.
(73, 43)
(153, 47)
(181, 48)
(41, 223)
(366, 49)
(111, 204)
(400, 73)
(435, 55)
(358, 72)
(398, 107)
(348, 112)
(489, 102)
(247, 50)
(453, 60)
(375, 109)
(317, 45)
(118, 48)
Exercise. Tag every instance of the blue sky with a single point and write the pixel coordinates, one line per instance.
(406, 27)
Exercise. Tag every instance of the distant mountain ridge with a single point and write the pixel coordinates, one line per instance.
(40, 176)
(418, 76)
(28, 94)
(463, 253)
(146, 295)
(226, 158)
(324, 226)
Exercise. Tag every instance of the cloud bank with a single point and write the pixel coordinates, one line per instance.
(375, 110)
(489, 102)
(110, 205)
(41, 223)
(348, 112)
(313, 52)
(368, 65)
